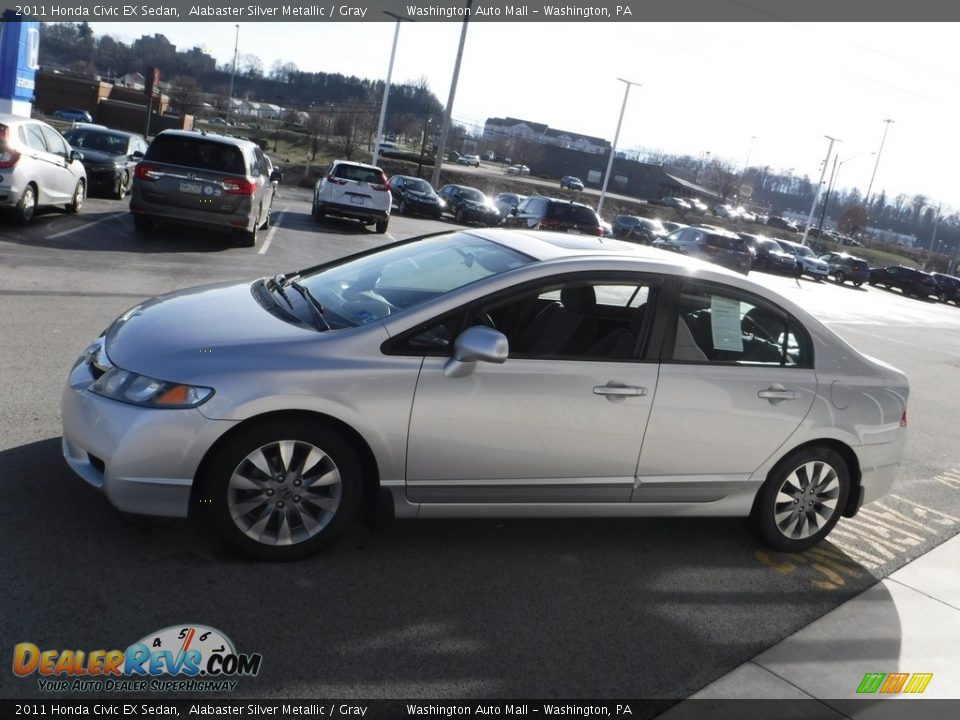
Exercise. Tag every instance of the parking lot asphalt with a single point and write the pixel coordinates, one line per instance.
(433, 609)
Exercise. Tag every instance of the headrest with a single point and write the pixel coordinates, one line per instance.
(578, 298)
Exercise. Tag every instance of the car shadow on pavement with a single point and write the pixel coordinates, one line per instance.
(431, 608)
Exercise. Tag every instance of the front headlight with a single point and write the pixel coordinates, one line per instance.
(135, 389)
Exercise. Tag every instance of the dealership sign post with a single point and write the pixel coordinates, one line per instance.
(19, 51)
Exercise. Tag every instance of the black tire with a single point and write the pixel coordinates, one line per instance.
(942, 297)
(123, 185)
(381, 226)
(79, 193)
(143, 224)
(316, 212)
(830, 477)
(402, 207)
(459, 217)
(840, 277)
(266, 220)
(248, 238)
(858, 283)
(285, 482)
(23, 212)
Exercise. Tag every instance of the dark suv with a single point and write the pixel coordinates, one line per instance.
(712, 244)
(948, 288)
(908, 280)
(204, 180)
(845, 267)
(543, 213)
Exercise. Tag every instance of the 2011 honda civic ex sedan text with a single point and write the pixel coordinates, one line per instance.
(478, 374)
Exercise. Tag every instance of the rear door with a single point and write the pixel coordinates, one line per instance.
(736, 383)
(359, 186)
(48, 168)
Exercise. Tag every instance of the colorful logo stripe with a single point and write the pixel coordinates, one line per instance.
(893, 683)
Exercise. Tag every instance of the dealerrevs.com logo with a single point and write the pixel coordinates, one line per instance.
(180, 658)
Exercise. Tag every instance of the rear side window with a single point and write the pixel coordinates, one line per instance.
(359, 174)
(860, 264)
(197, 153)
(572, 213)
(35, 139)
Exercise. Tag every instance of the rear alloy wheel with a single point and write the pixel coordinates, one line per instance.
(841, 277)
(283, 490)
(381, 226)
(23, 212)
(123, 184)
(248, 238)
(79, 193)
(802, 499)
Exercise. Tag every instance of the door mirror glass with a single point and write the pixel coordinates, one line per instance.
(75, 155)
(276, 176)
(476, 344)
(137, 155)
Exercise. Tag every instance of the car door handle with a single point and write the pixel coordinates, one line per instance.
(620, 390)
(777, 392)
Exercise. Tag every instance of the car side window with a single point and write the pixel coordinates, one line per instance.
(35, 139)
(258, 165)
(723, 325)
(571, 320)
(55, 143)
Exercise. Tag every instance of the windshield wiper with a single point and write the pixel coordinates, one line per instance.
(277, 283)
(316, 309)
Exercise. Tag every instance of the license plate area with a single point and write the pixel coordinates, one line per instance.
(191, 188)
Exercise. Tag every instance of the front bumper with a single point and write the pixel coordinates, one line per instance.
(144, 460)
(103, 178)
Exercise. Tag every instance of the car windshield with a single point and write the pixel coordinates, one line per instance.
(805, 251)
(472, 194)
(769, 245)
(418, 185)
(654, 226)
(112, 143)
(402, 276)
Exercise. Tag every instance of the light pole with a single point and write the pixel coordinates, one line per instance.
(749, 153)
(423, 145)
(233, 75)
(876, 164)
(816, 193)
(613, 148)
(386, 87)
(933, 238)
(835, 173)
(448, 110)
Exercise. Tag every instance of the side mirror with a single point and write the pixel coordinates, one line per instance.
(513, 211)
(137, 155)
(76, 155)
(476, 344)
(276, 176)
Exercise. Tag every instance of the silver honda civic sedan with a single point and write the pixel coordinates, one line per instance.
(483, 373)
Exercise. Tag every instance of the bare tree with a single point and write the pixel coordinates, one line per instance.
(186, 95)
(721, 174)
(351, 125)
(853, 219)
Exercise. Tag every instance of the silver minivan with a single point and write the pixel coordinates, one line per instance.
(204, 180)
(37, 168)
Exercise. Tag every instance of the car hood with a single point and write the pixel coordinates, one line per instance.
(193, 326)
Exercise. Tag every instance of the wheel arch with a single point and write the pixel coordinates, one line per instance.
(370, 470)
(849, 457)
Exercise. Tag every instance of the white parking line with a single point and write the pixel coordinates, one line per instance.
(274, 224)
(111, 216)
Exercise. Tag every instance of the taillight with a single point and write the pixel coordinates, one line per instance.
(903, 418)
(143, 171)
(598, 231)
(8, 157)
(336, 180)
(239, 186)
(383, 184)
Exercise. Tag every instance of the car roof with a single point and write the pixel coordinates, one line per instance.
(215, 137)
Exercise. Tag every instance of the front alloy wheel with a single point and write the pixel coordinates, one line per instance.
(802, 499)
(284, 490)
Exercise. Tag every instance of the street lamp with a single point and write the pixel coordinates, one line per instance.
(448, 110)
(613, 148)
(876, 164)
(835, 173)
(816, 193)
(386, 87)
(233, 75)
(749, 153)
(423, 145)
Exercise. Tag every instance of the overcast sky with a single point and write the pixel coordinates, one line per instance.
(706, 87)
